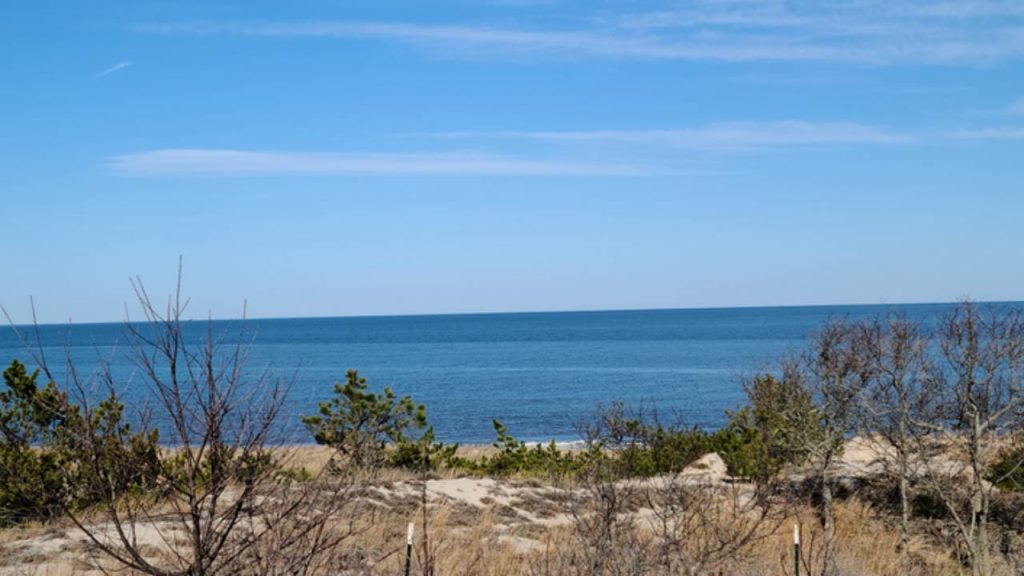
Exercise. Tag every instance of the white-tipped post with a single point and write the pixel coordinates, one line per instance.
(796, 550)
(408, 548)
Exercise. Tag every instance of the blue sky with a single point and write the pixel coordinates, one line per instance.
(390, 157)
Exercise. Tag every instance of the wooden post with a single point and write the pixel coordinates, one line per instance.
(796, 550)
(408, 549)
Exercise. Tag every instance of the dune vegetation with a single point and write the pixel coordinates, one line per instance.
(892, 447)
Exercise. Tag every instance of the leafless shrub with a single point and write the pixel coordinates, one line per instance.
(707, 527)
(897, 395)
(980, 380)
(218, 503)
(836, 375)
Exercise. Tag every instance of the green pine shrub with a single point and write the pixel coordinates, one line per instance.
(56, 455)
(372, 430)
(773, 430)
(518, 457)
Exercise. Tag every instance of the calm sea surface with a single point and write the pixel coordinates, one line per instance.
(540, 373)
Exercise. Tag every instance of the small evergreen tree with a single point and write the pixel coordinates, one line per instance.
(31, 478)
(104, 455)
(360, 424)
(776, 427)
(424, 453)
(46, 464)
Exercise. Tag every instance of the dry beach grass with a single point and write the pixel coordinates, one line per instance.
(487, 526)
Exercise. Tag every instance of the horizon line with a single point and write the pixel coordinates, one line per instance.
(552, 311)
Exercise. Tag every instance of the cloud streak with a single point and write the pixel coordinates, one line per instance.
(114, 69)
(653, 152)
(719, 136)
(853, 31)
(989, 134)
(221, 162)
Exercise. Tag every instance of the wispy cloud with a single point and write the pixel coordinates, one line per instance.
(784, 79)
(1018, 106)
(220, 162)
(856, 31)
(115, 68)
(847, 17)
(991, 133)
(637, 152)
(967, 9)
(506, 39)
(719, 136)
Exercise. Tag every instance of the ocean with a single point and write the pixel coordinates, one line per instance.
(541, 374)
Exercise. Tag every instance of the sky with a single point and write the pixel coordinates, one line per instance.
(324, 158)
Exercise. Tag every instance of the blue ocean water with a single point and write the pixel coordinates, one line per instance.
(539, 373)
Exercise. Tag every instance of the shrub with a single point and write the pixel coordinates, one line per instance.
(643, 446)
(31, 477)
(518, 457)
(47, 467)
(424, 453)
(661, 449)
(360, 424)
(217, 483)
(774, 429)
(1007, 473)
(104, 455)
